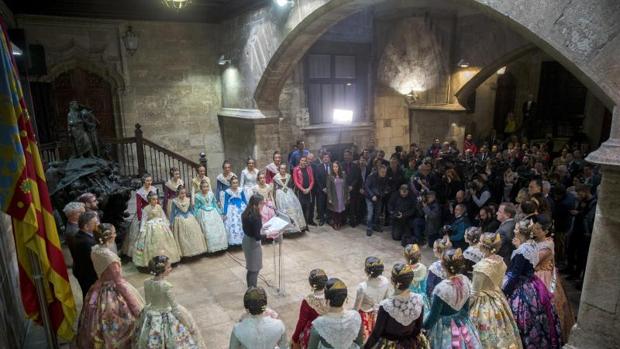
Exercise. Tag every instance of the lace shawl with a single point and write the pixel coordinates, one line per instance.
(258, 332)
(317, 302)
(183, 206)
(225, 180)
(437, 269)
(473, 253)
(419, 272)
(403, 310)
(454, 291)
(529, 250)
(371, 292)
(144, 194)
(283, 182)
(272, 168)
(173, 186)
(339, 330)
(102, 257)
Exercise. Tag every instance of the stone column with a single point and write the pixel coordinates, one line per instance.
(598, 322)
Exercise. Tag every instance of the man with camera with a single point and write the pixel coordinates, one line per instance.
(376, 187)
(405, 214)
(432, 217)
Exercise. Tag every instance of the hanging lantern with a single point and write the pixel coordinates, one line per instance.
(177, 4)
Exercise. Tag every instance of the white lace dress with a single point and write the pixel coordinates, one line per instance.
(258, 332)
(337, 331)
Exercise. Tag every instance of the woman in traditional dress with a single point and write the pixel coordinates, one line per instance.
(233, 204)
(196, 181)
(338, 328)
(435, 271)
(170, 189)
(489, 309)
(248, 178)
(223, 181)
(546, 271)
(185, 227)
(155, 236)
(530, 300)
(257, 331)
(163, 322)
(112, 305)
(273, 168)
(141, 202)
(286, 200)
(448, 323)
(208, 215)
(312, 306)
(266, 191)
(370, 293)
(472, 253)
(413, 256)
(337, 195)
(399, 320)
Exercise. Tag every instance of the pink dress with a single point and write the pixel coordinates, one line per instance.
(268, 210)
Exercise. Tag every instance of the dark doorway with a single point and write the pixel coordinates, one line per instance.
(505, 96)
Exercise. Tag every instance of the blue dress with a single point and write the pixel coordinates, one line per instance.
(448, 323)
(233, 205)
(208, 215)
(221, 184)
(418, 285)
(435, 275)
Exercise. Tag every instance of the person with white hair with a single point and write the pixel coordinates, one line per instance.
(72, 211)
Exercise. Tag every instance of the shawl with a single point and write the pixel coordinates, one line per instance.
(404, 310)
(454, 291)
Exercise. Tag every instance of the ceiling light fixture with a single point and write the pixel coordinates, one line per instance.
(177, 4)
(130, 40)
(223, 60)
(283, 3)
(501, 71)
(463, 63)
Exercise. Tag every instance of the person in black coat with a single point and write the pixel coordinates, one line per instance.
(354, 182)
(403, 208)
(376, 188)
(80, 249)
(252, 235)
(321, 172)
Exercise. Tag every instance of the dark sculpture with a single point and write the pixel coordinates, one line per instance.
(83, 130)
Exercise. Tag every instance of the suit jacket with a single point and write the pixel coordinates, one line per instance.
(506, 232)
(354, 175)
(80, 249)
(299, 179)
(320, 177)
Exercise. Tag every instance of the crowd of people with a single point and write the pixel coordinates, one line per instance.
(499, 216)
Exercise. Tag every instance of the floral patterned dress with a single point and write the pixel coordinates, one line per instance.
(311, 307)
(155, 238)
(369, 294)
(418, 285)
(489, 309)
(233, 205)
(208, 215)
(268, 210)
(163, 323)
(111, 306)
(134, 228)
(287, 201)
(186, 230)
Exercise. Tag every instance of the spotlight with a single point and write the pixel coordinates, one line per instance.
(283, 3)
(15, 50)
(501, 71)
(223, 60)
(463, 63)
(343, 116)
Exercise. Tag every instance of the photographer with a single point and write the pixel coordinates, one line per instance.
(479, 193)
(402, 208)
(460, 224)
(432, 217)
(376, 187)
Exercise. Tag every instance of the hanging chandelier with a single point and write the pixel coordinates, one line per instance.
(177, 4)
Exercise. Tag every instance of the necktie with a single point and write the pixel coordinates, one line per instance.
(326, 170)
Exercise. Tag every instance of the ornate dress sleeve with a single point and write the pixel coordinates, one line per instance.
(435, 313)
(176, 310)
(517, 266)
(135, 304)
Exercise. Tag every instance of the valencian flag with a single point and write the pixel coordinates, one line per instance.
(24, 197)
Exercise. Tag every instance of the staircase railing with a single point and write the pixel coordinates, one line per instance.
(135, 156)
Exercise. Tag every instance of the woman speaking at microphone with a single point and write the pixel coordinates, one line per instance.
(252, 229)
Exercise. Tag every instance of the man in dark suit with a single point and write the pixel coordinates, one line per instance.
(320, 187)
(354, 181)
(80, 248)
(364, 172)
(505, 214)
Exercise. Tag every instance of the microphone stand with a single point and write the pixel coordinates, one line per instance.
(277, 253)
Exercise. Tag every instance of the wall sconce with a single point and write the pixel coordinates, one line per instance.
(223, 60)
(463, 63)
(130, 40)
(412, 97)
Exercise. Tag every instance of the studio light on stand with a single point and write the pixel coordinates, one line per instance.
(343, 116)
(15, 50)
(223, 60)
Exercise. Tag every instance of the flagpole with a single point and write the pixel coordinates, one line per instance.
(37, 277)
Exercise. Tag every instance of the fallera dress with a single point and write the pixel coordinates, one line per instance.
(163, 323)
(530, 301)
(435, 275)
(418, 285)
(399, 323)
(369, 294)
(155, 238)
(186, 229)
(547, 272)
(233, 205)
(196, 181)
(134, 227)
(489, 310)
(266, 192)
(170, 192)
(312, 306)
(111, 306)
(221, 184)
(247, 182)
(448, 322)
(208, 215)
(337, 331)
(258, 332)
(287, 201)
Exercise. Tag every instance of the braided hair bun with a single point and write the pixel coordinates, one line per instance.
(472, 235)
(317, 279)
(490, 242)
(412, 253)
(373, 267)
(104, 232)
(453, 261)
(402, 276)
(335, 292)
(255, 300)
(157, 265)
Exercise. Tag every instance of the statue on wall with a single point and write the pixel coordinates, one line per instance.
(83, 130)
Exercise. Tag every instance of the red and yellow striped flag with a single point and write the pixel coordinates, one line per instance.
(24, 196)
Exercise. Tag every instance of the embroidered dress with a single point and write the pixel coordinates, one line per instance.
(472, 255)
(222, 183)
(134, 227)
(369, 294)
(196, 186)
(271, 171)
(311, 307)
(170, 192)
(247, 182)
(530, 301)
(336, 331)
(233, 205)
(399, 323)
(435, 275)
(186, 229)
(111, 306)
(489, 309)
(268, 210)
(163, 323)
(258, 332)
(155, 238)
(287, 201)
(208, 215)
(448, 323)
(547, 272)
(418, 285)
